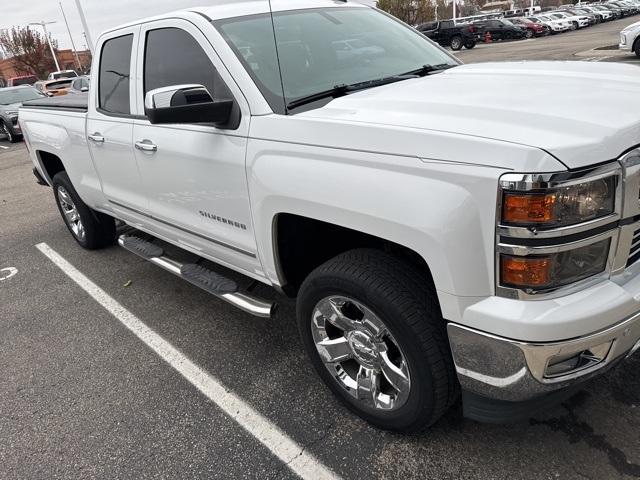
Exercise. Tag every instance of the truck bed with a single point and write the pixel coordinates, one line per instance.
(75, 103)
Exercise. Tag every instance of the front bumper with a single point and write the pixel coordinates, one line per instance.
(626, 44)
(509, 370)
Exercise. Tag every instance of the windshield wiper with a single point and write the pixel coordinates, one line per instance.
(343, 89)
(428, 69)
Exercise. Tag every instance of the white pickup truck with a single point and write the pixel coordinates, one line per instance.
(444, 235)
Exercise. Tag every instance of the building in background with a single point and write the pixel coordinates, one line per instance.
(66, 58)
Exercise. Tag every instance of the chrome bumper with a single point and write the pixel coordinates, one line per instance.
(511, 370)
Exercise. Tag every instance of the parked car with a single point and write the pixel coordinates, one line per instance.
(533, 29)
(555, 25)
(625, 8)
(10, 100)
(438, 235)
(447, 34)
(54, 88)
(62, 74)
(501, 29)
(607, 14)
(630, 39)
(578, 12)
(577, 21)
(80, 85)
(601, 15)
(22, 80)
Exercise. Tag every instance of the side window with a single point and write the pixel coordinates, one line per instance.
(115, 74)
(174, 57)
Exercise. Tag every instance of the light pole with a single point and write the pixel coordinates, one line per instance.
(83, 19)
(73, 45)
(44, 24)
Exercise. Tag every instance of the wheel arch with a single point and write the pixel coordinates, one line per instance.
(636, 43)
(50, 164)
(301, 244)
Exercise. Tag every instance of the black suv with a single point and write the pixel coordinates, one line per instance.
(501, 29)
(10, 100)
(448, 34)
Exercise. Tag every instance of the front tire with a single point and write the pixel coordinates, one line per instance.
(372, 327)
(91, 229)
(456, 43)
(636, 48)
(528, 34)
(469, 44)
(8, 132)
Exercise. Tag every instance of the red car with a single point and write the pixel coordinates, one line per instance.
(533, 29)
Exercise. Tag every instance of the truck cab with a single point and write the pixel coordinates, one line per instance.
(441, 241)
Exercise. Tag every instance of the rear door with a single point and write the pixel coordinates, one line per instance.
(194, 175)
(110, 125)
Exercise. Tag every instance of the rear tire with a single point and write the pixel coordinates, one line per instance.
(469, 44)
(636, 48)
(369, 287)
(456, 43)
(529, 33)
(91, 229)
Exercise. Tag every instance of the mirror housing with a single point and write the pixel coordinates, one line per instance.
(185, 104)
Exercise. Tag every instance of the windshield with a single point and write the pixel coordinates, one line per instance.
(19, 95)
(321, 48)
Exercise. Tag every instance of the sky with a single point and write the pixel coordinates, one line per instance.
(100, 14)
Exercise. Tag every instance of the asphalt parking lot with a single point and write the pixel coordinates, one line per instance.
(583, 44)
(81, 396)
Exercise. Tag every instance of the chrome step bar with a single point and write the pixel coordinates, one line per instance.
(252, 305)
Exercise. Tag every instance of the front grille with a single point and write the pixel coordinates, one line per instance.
(634, 253)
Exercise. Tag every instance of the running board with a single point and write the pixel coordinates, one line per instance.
(206, 279)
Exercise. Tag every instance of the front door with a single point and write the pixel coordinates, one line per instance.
(110, 126)
(194, 174)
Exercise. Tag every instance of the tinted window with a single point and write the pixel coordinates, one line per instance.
(115, 73)
(173, 57)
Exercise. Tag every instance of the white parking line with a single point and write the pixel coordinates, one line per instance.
(4, 148)
(286, 449)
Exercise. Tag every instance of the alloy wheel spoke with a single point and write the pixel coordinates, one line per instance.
(367, 386)
(397, 376)
(331, 312)
(334, 350)
(374, 325)
(80, 229)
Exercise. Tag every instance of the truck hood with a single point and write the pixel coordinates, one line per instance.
(580, 112)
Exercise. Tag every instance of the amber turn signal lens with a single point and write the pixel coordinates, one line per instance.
(525, 272)
(526, 209)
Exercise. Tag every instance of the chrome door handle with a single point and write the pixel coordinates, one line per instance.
(97, 138)
(146, 146)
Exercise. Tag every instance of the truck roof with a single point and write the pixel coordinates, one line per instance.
(219, 9)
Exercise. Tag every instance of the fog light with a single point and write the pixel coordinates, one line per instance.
(575, 362)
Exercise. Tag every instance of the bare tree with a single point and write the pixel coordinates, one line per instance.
(412, 12)
(28, 50)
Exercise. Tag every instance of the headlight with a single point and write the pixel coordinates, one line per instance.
(555, 230)
(560, 206)
(545, 272)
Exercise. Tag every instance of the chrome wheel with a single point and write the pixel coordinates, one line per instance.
(70, 213)
(360, 353)
(5, 130)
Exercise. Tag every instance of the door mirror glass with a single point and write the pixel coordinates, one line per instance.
(186, 104)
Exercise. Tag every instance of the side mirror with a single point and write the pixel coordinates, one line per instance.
(185, 104)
